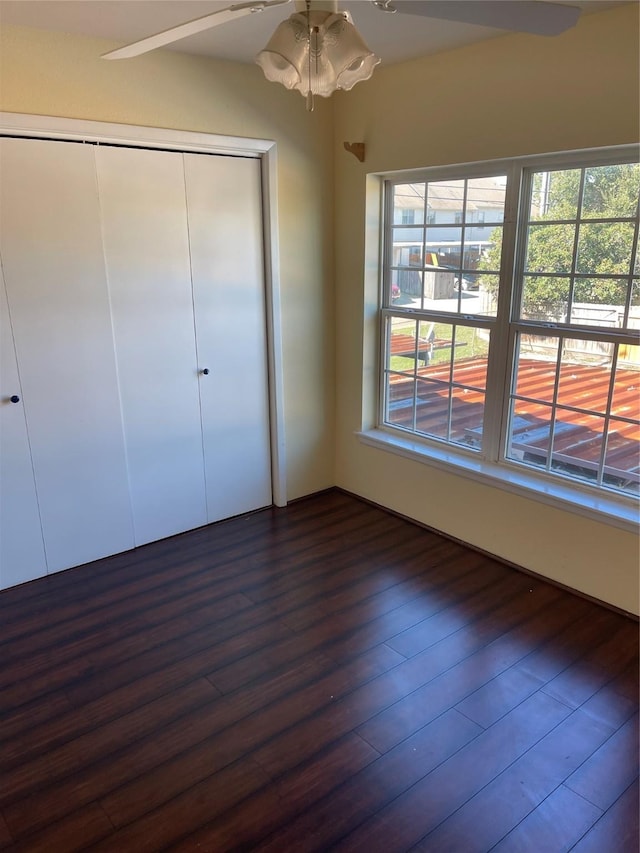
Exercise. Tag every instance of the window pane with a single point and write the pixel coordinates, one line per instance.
(408, 249)
(441, 335)
(529, 433)
(599, 302)
(626, 387)
(439, 283)
(622, 457)
(467, 416)
(432, 409)
(470, 357)
(545, 298)
(485, 199)
(605, 248)
(452, 412)
(584, 381)
(537, 359)
(446, 199)
(555, 194)
(550, 248)
(577, 444)
(405, 346)
(434, 384)
(408, 197)
(400, 392)
(446, 243)
(491, 253)
(611, 191)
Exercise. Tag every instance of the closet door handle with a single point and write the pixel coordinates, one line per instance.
(206, 371)
(15, 398)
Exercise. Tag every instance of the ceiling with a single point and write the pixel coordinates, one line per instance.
(395, 38)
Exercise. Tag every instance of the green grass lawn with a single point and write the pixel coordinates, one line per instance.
(475, 345)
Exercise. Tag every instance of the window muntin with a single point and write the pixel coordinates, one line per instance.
(571, 400)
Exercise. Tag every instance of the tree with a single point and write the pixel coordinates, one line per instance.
(603, 248)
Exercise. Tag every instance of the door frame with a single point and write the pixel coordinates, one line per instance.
(80, 130)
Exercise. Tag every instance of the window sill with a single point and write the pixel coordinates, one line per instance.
(520, 481)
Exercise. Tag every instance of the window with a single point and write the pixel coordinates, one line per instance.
(518, 343)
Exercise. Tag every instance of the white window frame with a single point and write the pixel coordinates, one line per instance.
(492, 465)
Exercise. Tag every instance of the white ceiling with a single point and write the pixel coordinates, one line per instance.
(394, 38)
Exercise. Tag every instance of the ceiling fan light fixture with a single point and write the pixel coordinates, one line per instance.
(317, 52)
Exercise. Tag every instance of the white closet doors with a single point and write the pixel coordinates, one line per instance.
(135, 289)
(225, 230)
(146, 246)
(21, 548)
(51, 249)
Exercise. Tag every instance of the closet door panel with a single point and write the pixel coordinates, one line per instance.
(147, 256)
(21, 547)
(225, 229)
(51, 248)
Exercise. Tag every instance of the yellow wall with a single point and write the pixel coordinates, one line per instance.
(510, 96)
(62, 75)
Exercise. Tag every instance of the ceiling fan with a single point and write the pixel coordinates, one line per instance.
(318, 50)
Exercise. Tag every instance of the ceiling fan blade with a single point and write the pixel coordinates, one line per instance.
(524, 16)
(190, 28)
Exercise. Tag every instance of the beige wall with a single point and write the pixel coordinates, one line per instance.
(509, 96)
(62, 75)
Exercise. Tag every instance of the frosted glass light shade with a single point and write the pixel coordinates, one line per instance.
(317, 53)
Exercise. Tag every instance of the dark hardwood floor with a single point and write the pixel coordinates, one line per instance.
(324, 677)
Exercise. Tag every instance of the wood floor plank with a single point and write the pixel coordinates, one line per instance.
(20, 782)
(519, 790)
(169, 587)
(342, 636)
(610, 770)
(407, 819)
(109, 581)
(324, 676)
(556, 824)
(120, 640)
(497, 697)
(447, 663)
(75, 832)
(627, 683)
(361, 796)
(85, 677)
(219, 749)
(31, 715)
(199, 742)
(283, 801)
(191, 809)
(618, 829)
(5, 835)
(222, 649)
(468, 669)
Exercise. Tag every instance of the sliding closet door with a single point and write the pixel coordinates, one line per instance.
(225, 230)
(21, 549)
(147, 256)
(51, 249)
